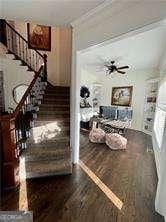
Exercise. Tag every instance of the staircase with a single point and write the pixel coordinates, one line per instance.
(48, 151)
(37, 133)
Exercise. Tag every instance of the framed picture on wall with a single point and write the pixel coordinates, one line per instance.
(39, 37)
(122, 96)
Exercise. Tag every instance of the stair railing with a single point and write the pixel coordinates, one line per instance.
(16, 126)
(19, 46)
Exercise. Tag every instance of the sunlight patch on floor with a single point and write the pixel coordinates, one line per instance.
(114, 199)
(45, 132)
(23, 200)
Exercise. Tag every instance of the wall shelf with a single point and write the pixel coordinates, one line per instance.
(150, 105)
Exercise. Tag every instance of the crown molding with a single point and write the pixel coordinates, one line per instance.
(92, 13)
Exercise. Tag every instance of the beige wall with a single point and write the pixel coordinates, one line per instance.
(59, 59)
(65, 55)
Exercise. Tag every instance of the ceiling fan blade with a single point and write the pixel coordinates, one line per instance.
(123, 67)
(121, 72)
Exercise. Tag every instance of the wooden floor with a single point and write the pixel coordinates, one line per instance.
(130, 175)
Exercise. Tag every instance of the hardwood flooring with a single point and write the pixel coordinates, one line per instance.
(130, 175)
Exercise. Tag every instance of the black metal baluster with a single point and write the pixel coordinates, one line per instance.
(15, 44)
(8, 37)
(12, 41)
(26, 53)
(33, 61)
(19, 131)
(30, 57)
(23, 51)
(19, 47)
(9, 41)
(7, 34)
(17, 137)
(36, 69)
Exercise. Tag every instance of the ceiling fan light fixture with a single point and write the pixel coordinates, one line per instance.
(113, 68)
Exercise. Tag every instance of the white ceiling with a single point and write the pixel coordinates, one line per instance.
(51, 12)
(141, 51)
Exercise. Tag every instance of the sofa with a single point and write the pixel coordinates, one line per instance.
(114, 119)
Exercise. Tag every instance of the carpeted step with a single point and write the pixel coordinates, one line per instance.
(49, 85)
(57, 91)
(65, 118)
(53, 117)
(48, 151)
(56, 99)
(54, 107)
(58, 122)
(46, 154)
(47, 168)
(57, 94)
(39, 126)
(49, 136)
(56, 139)
(53, 112)
(66, 106)
(56, 144)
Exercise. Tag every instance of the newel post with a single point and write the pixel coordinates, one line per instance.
(45, 67)
(10, 161)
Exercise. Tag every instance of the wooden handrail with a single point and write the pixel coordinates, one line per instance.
(22, 37)
(21, 103)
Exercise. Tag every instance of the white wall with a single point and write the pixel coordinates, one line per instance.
(160, 150)
(137, 79)
(13, 75)
(88, 79)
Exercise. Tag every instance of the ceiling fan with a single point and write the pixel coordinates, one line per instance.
(113, 68)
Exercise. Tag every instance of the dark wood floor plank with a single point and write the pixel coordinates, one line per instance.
(130, 174)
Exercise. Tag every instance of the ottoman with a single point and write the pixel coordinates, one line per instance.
(97, 135)
(116, 141)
